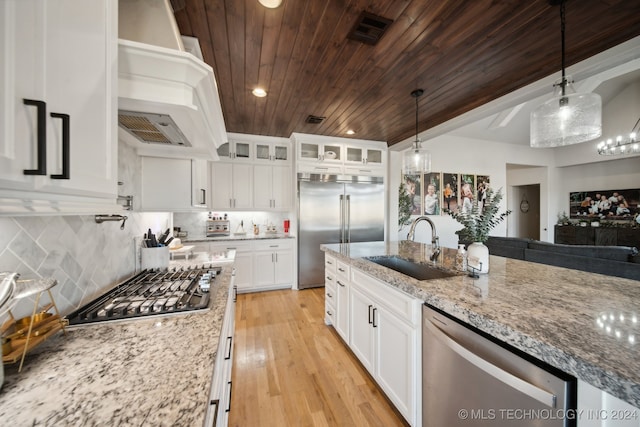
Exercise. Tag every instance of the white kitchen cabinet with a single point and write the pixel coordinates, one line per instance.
(231, 185)
(236, 151)
(330, 297)
(597, 408)
(342, 300)
(62, 54)
(384, 334)
(273, 264)
(272, 152)
(243, 262)
(272, 187)
(221, 384)
(173, 185)
(330, 155)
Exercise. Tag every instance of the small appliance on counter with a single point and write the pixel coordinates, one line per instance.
(217, 227)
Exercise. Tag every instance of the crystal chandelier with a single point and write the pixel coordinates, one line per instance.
(417, 159)
(622, 145)
(569, 117)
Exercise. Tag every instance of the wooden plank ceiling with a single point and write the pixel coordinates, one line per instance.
(463, 53)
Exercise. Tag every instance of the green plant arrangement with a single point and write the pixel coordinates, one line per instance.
(404, 207)
(478, 223)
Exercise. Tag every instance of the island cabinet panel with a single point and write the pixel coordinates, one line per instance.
(381, 326)
(597, 408)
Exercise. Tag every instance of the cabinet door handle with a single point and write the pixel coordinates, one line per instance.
(341, 284)
(342, 270)
(66, 125)
(228, 355)
(329, 295)
(41, 135)
(276, 257)
(215, 402)
(235, 293)
(329, 313)
(370, 321)
(375, 325)
(204, 196)
(229, 404)
(329, 278)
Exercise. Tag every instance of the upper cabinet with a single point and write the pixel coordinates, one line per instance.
(254, 172)
(330, 155)
(174, 185)
(57, 109)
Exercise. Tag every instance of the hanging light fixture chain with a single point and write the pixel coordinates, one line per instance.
(562, 32)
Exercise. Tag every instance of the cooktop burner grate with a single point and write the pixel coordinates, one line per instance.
(151, 292)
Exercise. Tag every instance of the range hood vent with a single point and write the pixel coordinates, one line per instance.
(152, 128)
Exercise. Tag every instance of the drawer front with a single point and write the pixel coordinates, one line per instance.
(330, 264)
(273, 245)
(403, 306)
(343, 270)
(239, 246)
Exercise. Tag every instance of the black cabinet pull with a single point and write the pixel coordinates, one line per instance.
(215, 402)
(229, 406)
(42, 137)
(370, 321)
(235, 293)
(230, 341)
(374, 318)
(65, 146)
(204, 196)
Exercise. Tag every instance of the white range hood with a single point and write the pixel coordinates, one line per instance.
(168, 100)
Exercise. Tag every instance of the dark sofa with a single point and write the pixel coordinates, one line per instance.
(619, 261)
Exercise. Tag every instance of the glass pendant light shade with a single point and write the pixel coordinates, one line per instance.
(416, 160)
(566, 119)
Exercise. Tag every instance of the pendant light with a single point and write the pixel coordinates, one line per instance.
(569, 117)
(623, 145)
(417, 159)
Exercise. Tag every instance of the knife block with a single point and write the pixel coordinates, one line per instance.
(154, 258)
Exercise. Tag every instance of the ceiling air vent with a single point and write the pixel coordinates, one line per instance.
(152, 128)
(314, 120)
(369, 28)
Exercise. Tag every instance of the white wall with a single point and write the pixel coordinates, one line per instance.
(465, 155)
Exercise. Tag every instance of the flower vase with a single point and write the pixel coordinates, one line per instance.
(478, 257)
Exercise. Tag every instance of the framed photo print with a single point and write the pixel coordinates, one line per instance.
(432, 193)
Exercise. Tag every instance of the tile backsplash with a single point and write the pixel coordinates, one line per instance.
(84, 257)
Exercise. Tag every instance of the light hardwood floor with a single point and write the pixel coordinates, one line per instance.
(290, 369)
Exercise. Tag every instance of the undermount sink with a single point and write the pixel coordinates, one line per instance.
(412, 269)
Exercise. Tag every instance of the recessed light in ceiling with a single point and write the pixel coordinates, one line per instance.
(259, 92)
(351, 132)
(271, 4)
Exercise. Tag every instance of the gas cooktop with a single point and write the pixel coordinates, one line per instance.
(151, 292)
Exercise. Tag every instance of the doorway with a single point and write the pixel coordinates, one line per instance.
(525, 216)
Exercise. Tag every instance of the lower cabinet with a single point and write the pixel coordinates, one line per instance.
(259, 264)
(381, 325)
(597, 408)
(243, 263)
(221, 384)
(273, 264)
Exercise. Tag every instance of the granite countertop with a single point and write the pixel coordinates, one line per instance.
(557, 315)
(154, 371)
(233, 237)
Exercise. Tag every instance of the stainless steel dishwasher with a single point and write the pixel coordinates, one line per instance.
(469, 379)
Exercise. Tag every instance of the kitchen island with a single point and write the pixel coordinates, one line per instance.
(152, 371)
(566, 318)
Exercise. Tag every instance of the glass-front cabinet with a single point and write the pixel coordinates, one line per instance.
(361, 155)
(321, 152)
(272, 152)
(234, 150)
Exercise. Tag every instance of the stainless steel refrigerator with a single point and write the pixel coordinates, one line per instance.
(335, 209)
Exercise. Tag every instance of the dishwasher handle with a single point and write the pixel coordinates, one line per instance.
(507, 378)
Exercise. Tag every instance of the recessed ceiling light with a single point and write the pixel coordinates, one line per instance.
(351, 132)
(259, 92)
(271, 4)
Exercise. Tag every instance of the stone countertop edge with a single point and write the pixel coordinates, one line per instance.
(153, 371)
(503, 305)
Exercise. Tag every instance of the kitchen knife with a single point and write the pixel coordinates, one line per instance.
(154, 242)
(163, 237)
(169, 240)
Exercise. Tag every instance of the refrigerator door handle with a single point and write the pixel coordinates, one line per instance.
(342, 219)
(348, 219)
